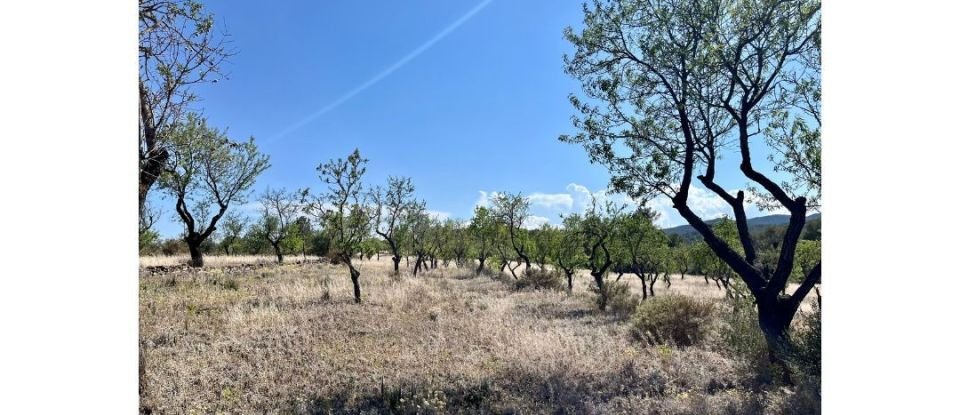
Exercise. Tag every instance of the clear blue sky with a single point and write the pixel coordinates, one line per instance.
(464, 96)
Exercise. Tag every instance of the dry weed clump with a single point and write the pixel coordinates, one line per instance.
(289, 339)
(541, 279)
(672, 319)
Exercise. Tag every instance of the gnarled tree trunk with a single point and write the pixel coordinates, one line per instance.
(278, 252)
(598, 278)
(196, 257)
(355, 278)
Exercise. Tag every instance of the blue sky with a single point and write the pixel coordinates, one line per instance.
(467, 97)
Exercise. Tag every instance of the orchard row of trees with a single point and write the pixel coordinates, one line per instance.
(669, 89)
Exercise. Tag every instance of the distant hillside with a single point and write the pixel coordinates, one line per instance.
(688, 233)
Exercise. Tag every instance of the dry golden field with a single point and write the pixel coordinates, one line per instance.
(289, 339)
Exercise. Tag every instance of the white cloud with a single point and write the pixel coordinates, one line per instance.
(485, 198)
(534, 221)
(437, 214)
(551, 200)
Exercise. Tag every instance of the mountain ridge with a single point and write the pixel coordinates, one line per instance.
(754, 224)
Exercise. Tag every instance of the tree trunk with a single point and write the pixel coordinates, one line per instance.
(775, 317)
(513, 271)
(355, 278)
(277, 252)
(569, 280)
(603, 293)
(396, 264)
(643, 282)
(196, 257)
(480, 268)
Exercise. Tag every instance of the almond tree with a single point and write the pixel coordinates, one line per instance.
(566, 249)
(207, 174)
(511, 210)
(419, 226)
(392, 207)
(233, 226)
(342, 211)
(279, 208)
(542, 238)
(673, 86)
(178, 49)
(482, 231)
(459, 242)
(596, 229)
(644, 248)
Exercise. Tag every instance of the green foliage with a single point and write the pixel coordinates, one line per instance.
(807, 256)
(342, 209)
(672, 319)
(511, 211)
(642, 246)
(149, 240)
(567, 245)
(806, 357)
(482, 230)
(208, 173)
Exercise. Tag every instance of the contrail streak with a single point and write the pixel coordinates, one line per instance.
(383, 74)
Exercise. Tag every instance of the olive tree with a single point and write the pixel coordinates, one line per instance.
(673, 86)
(178, 49)
(342, 211)
(208, 172)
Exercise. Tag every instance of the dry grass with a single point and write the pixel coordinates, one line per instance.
(215, 261)
(289, 339)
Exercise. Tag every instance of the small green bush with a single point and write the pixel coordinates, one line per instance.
(539, 279)
(672, 319)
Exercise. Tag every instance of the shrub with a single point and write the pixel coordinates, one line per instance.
(672, 319)
(804, 359)
(539, 279)
(740, 337)
(620, 301)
